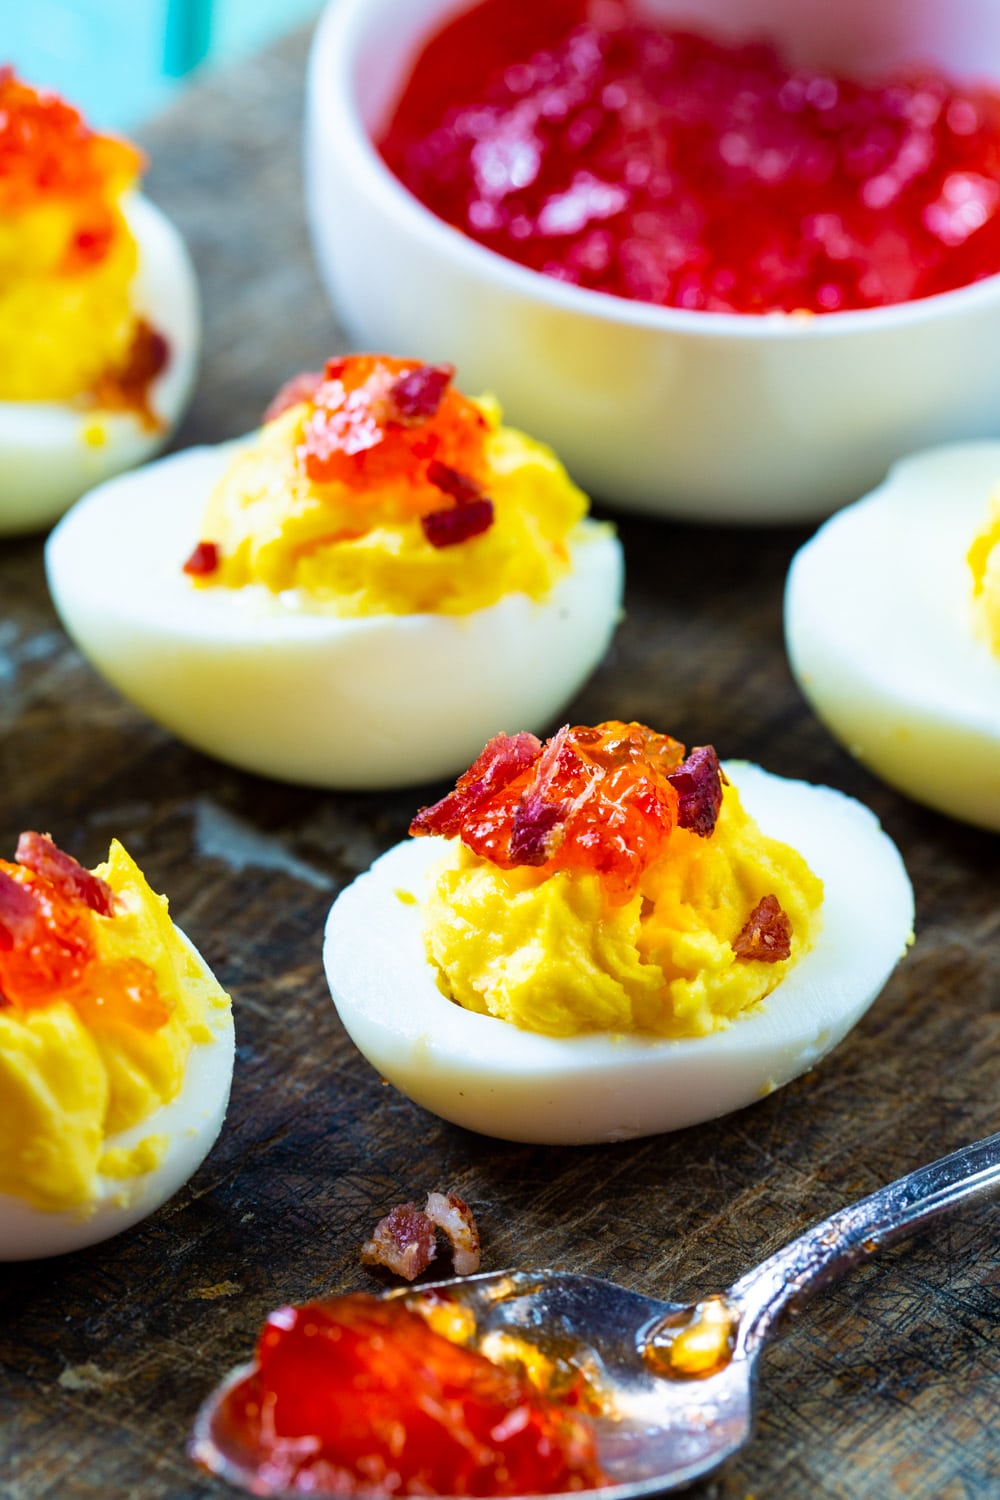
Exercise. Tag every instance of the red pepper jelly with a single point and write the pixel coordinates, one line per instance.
(674, 168)
(359, 1396)
(600, 800)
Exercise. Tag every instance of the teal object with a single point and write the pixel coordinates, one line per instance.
(119, 61)
(188, 38)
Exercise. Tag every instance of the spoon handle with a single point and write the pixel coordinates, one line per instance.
(780, 1285)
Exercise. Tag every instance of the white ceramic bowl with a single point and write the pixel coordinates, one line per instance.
(704, 415)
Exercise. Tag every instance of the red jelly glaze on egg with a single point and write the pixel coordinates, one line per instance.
(48, 153)
(377, 420)
(48, 945)
(359, 1396)
(596, 800)
(679, 169)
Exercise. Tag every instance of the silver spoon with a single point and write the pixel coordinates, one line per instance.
(675, 1382)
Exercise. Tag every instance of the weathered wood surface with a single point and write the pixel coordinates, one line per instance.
(889, 1386)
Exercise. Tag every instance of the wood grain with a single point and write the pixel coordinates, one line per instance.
(889, 1386)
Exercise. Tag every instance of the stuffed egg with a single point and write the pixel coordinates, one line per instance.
(603, 937)
(99, 324)
(116, 1051)
(358, 595)
(892, 621)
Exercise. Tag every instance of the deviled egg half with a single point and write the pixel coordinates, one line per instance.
(116, 1051)
(99, 322)
(603, 937)
(892, 622)
(358, 595)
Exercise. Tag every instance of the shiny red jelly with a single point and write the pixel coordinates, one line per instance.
(358, 1395)
(600, 800)
(678, 169)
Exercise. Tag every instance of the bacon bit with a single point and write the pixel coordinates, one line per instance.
(539, 826)
(503, 759)
(698, 784)
(453, 482)
(449, 527)
(416, 395)
(38, 853)
(127, 388)
(18, 911)
(90, 246)
(403, 1242)
(454, 1216)
(767, 935)
(301, 387)
(203, 560)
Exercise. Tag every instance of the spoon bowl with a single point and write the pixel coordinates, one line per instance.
(671, 1384)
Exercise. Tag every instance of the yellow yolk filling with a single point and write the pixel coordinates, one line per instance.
(276, 527)
(60, 329)
(984, 560)
(66, 1088)
(549, 954)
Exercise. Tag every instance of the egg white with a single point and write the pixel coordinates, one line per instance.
(46, 456)
(191, 1121)
(263, 683)
(880, 633)
(489, 1076)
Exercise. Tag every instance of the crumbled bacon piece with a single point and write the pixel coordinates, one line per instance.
(539, 825)
(403, 1242)
(416, 395)
(38, 853)
(461, 487)
(539, 828)
(454, 1216)
(18, 911)
(698, 784)
(504, 758)
(301, 387)
(128, 386)
(203, 561)
(449, 527)
(767, 934)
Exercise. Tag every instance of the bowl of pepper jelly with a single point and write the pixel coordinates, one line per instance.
(731, 258)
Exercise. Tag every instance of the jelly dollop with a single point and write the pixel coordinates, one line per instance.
(48, 152)
(600, 799)
(48, 945)
(358, 1395)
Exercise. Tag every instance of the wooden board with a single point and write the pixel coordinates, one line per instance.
(888, 1386)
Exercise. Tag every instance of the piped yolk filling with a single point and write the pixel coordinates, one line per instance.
(97, 1039)
(378, 488)
(67, 255)
(663, 947)
(984, 560)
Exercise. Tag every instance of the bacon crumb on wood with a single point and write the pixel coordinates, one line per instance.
(404, 1241)
(452, 1215)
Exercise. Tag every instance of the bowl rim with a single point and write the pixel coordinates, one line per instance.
(331, 112)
